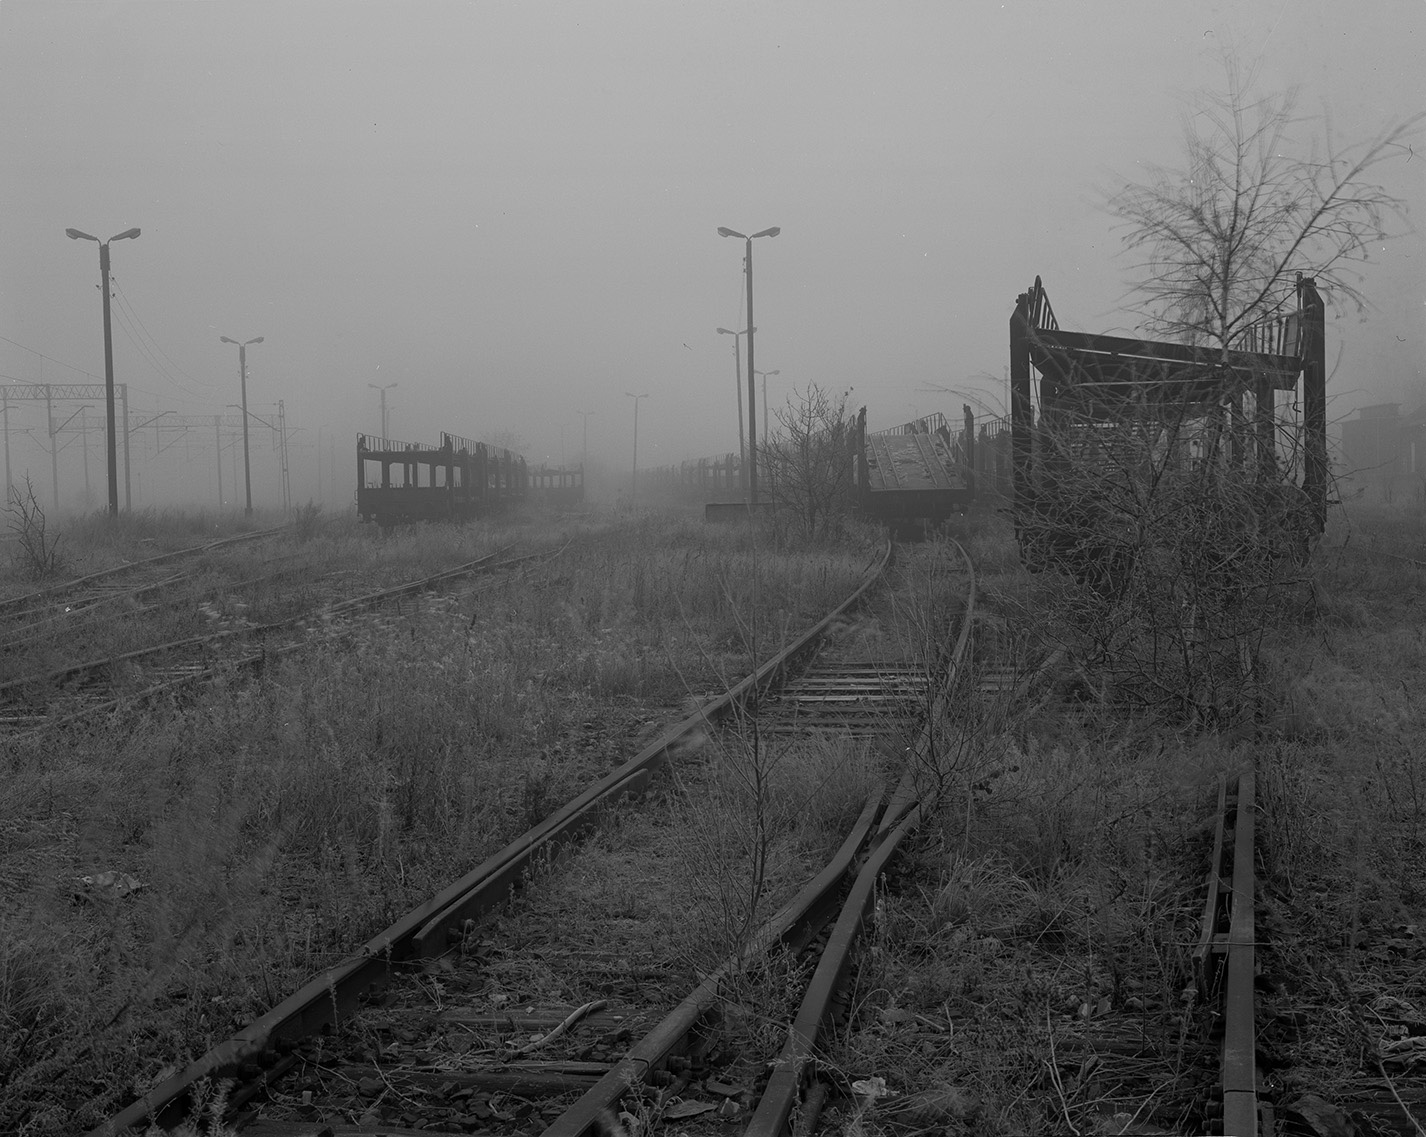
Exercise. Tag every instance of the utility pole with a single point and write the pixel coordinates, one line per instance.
(752, 381)
(243, 376)
(385, 425)
(218, 450)
(634, 480)
(738, 383)
(5, 402)
(282, 440)
(75, 235)
(584, 452)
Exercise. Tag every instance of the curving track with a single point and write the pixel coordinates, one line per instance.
(419, 974)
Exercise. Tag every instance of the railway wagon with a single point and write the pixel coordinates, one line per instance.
(1101, 422)
(922, 470)
(559, 487)
(457, 480)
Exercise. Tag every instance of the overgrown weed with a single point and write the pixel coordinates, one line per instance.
(275, 823)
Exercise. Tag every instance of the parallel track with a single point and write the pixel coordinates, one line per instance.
(69, 694)
(395, 960)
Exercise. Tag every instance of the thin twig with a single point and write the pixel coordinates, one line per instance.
(573, 1017)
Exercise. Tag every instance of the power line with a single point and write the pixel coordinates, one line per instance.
(129, 309)
(52, 359)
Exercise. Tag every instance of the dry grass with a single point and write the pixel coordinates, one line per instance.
(273, 823)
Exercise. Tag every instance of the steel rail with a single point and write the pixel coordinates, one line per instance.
(901, 817)
(1239, 1069)
(794, 925)
(89, 667)
(325, 1000)
(17, 603)
(206, 671)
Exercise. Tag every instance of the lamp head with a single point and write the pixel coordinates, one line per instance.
(76, 235)
(724, 231)
(225, 339)
(125, 234)
(258, 340)
(773, 232)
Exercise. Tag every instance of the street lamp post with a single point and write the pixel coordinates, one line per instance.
(752, 393)
(77, 235)
(243, 375)
(584, 450)
(738, 372)
(634, 480)
(766, 417)
(382, 391)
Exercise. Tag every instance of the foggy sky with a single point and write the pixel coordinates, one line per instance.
(509, 209)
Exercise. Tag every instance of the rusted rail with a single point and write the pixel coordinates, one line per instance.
(1224, 959)
(179, 663)
(18, 604)
(427, 930)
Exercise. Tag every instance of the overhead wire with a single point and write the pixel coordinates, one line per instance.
(127, 306)
(50, 358)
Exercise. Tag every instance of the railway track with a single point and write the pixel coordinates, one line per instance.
(397, 1038)
(1379, 1091)
(43, 610)
(73, 692)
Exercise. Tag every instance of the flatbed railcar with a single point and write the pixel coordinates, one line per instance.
(457, 480)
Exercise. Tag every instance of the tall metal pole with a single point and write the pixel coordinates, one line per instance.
(5, 400)
(75, 235)
(584, 450)
(752, 382)
(767, 418)
(247, 467)
(109, 416)
(84, 436)
(634, 480)
(385, 424)
(738, 373)
(243, 379)
(54, 450)
(128, 496)
(752, 388)
(218, 450)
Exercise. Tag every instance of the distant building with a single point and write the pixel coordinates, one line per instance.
(1384, 451)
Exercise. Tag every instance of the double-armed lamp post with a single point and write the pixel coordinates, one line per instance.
(243, 374)
(767, 419)
(634, 479)
(385, 429)
(738, 371)
(77, 235)
(752, 382)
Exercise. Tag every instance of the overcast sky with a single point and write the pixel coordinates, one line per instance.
(509, 209)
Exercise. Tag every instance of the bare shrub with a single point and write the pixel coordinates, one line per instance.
(36, 551)
(1176, 560)
(809, 463)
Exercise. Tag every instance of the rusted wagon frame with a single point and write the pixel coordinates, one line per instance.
(795, 925)
(16, 603)
(1239, 1071)
(337, 992)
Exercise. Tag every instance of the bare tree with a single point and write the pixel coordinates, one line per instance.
(1263, 195)
(809, 463)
